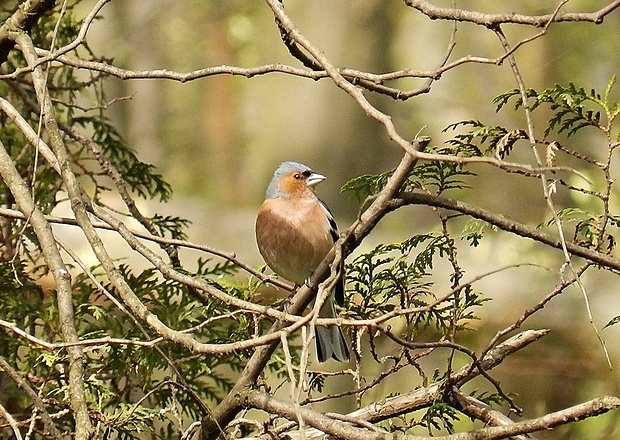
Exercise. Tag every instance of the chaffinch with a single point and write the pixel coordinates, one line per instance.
(294, 232)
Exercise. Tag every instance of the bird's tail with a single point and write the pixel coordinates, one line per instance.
(330, 342)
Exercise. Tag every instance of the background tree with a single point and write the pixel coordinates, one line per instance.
(116, 325)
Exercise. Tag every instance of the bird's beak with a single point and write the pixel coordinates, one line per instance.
(314, 179)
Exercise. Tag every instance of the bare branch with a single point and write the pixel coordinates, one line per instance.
(51, 252)
(575, 413)
(352, 75)
(506, 225)
(425, 396)
(492, 20)
(339, 429)
(339, 80)
(479, 410)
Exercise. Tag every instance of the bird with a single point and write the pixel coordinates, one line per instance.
(294, 232)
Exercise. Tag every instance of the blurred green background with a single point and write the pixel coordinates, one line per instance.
(217, 141)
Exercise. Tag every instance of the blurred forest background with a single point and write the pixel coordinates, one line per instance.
(217, 141)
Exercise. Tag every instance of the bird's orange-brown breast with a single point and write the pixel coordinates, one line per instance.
(293, 236)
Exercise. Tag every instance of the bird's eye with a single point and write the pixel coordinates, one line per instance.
(297, 176)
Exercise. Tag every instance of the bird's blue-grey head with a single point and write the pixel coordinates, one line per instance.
(310, 177)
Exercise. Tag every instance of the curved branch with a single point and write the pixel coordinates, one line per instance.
(250, 72)
(311, 64)
(339, 80)
(352, 75)
(415, 198)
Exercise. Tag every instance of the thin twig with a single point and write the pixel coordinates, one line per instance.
(493, 20)
(545, 184)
